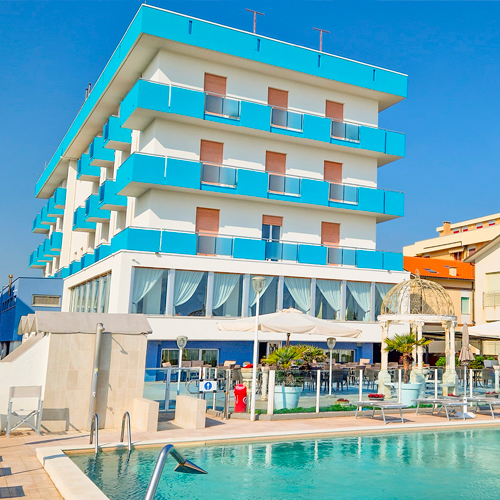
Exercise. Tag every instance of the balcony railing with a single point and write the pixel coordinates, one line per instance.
(214, 245)
(218, 175)
(345, 131)
(284, 184)
(286, 119)
(345, 193)
(216, 104)
(491, 299)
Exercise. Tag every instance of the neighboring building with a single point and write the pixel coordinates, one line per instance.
(205, 155)
(457, 241)
(25, 296)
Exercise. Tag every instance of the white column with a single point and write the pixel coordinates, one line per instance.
(384, 355)
(384, 379)
(420, 349)
(69, 208)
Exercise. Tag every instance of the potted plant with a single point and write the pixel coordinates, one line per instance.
(376, 397)
(288, 381)
(404, 344)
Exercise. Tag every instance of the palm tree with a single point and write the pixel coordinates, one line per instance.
(283, 358)
(405, 344)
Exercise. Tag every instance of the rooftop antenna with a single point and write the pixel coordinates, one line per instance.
(255, 18)
(321, 37)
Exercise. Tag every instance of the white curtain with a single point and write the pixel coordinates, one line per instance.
(300, 290)
(186, 283)
(144, 280)
(223, 287)
(361, 292)
(382, 290)
(253, 296)
(331, 291)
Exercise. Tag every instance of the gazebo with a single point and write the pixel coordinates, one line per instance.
(417, 302)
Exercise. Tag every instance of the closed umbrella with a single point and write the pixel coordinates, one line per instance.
(465, 357)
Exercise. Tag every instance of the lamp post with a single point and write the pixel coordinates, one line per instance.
(181, 343)
(258, 283)
(330, 342)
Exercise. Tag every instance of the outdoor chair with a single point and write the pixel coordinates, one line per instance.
(487, 376)
(338, 378)
(364, 361)
(371, 378)
(25, 415)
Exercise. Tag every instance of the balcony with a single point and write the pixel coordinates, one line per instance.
(190, 243)
(92, 211)
(108, 199)
(223, 106)
(114, 136)
(80, 222)
(148, 100)
(38, 227)
(85, 171)
(141, 172)
(35, 262)
(100, 156)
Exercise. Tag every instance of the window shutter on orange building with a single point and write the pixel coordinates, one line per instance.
(211, 152)
(272, 220)
(333, 171)
(276, 97)
(207, 220)
(334, 110)
(215, 84)
(330, 233)
(275, 162)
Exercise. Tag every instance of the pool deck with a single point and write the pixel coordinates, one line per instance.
(23, 476)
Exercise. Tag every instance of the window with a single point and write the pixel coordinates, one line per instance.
(227, 295)
(493, 282)
(381, 290)
(465, 229)
(278, 98)
(271, 227)
(149, 293)
(333, 171)
(465, 305)
(479, 225)
(456, 231)
(334, 110)
(91, 296)
(268, 298)
(491, 223)
(207, 227)
(328, 297)
(46, 300)
(215, 84)
(215, 101)
(275, 162)
(330, 234)
(472, 250)
(358, 301)
(297, 294)
(342, 355)
(208, 356)
(211, 152)
(190, 293)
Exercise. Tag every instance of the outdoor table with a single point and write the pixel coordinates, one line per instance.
(491, 402)
(382, 405)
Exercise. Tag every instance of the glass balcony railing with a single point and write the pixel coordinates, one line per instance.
(343, 193)
(214, 245)
(284, 184)
(341, 256)
(218, 175)
(277, 250)
(220, 105)
(345, 131)
(286, 119)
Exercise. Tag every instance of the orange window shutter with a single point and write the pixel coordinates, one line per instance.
(272, 220)
(207, 220)
(330, 233)
(215, 84)
(275, 162)
(276, 97)
(333, 171)
(334, 110)
(211, 152)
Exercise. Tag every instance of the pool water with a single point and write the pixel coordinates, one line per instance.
(458, 465)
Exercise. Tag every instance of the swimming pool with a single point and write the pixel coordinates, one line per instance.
(459, 465)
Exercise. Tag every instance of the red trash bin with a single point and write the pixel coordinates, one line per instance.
(240, 399)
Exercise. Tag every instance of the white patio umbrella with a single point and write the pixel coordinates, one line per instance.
(465, 357)
(488, 330)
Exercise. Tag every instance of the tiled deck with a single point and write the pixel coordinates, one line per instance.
(25, 477)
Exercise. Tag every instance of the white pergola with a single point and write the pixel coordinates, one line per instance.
(417, 302)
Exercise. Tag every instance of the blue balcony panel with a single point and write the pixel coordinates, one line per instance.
(102, 251)
(393, 261)
(65, 272)
(52, 211)
(59, 198)
(38, 227)
(92, 211)
(108, 199)
(35, 262)
(139, 173)
(183, 173)
(56, 240)
(394, 203)
(45, 218)
(369, 259)
(371, 200)
(80, 222)
(85, 171)
(314, 192)
(75, 266)
(312, 254)
(181, 243)
(114, 136)
(88, 259)
(100, 156)
(147, 240)
(252, 183)
(244, 248)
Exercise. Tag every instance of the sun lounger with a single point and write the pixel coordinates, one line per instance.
(374, 405)
(435, 402)
(485, 401)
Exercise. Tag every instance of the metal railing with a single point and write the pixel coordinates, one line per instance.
(218, 175)
(284, 184)
(94, 429)
(126, 417)
(217, 104)
(344, 130)
(491, 299)
(183, 465)
(345, 193)
(283, 118)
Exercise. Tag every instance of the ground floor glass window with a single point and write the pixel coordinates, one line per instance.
(268, 302)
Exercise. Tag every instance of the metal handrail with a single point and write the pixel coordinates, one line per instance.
(94, 428)
(126, 416)
(183, 465)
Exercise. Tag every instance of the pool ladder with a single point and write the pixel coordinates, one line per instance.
(94, 429)
(183, 465)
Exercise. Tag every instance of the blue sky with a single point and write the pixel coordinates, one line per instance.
(51, 50)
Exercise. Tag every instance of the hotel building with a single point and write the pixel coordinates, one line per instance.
(205, 155)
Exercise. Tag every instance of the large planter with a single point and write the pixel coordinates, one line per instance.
(490, 363)
(286, 397)
(246, 375)
(409, 392)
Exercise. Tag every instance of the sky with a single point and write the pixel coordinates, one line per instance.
(51, 50)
